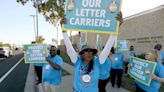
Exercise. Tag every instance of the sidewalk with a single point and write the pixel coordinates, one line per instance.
(30, 81)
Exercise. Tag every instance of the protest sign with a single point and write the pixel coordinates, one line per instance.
(122, 45)
(97, 16)
(139, 69)
(35, 53)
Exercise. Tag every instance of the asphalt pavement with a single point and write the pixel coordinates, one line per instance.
(13, 74)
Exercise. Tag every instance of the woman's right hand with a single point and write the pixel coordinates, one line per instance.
(129, 65)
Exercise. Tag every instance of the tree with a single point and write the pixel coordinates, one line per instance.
(52, 10)
(40, 40)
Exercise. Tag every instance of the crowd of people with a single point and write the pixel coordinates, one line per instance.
(93, 71)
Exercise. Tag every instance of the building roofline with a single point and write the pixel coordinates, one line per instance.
(145, 12)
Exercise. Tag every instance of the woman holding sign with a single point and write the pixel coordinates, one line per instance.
(87, 66)
(152, 56)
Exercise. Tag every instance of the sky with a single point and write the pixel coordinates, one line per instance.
(17, 26)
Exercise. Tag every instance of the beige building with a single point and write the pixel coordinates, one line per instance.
(143, 30)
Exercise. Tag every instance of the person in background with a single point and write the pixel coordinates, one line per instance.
(155, 84)
(130, 53)
(117, 68)
(38, 70)
(158, 48)
(105, 73)
(52, 71)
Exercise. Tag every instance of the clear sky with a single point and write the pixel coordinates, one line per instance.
(16, 24)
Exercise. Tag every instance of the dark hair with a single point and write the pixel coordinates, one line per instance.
(158, 47)
(131, 48)
(90, 67)
(112, 50)
(142, 56)
(58, 52)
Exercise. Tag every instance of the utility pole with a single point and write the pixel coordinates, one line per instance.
(33, 16)
(37, 32)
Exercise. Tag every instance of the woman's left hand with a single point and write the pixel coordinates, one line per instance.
(119, 18)
(48, 60)
(153, 76)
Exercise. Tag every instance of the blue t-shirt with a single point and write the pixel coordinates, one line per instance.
(118, 61)
(81, 85)
(105, 69)
(39, 64)
(161, 56)
(128, 56)
(132, 53)
(154, 85)
(51, 75)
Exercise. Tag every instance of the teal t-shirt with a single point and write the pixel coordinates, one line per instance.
(105, 69)
(83, 82)
(39, 64)
(50, 75)
(154, 85)
(118, 61)
(161, 56)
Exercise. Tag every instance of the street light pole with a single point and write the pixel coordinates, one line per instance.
(37, 33)
(34, 27)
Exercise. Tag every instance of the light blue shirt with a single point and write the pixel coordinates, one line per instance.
(130, 53)
(105, 69)
(161, 56)
(39, 64)
(50, 75)
(118, 61)
(92, 85)
(154, 85)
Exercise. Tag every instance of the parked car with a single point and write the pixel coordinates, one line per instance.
(5, 52)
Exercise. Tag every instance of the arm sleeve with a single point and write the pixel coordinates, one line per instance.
(105, 52)
(70, 50)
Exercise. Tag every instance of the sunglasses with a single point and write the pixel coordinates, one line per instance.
(53, 50)
(88, 52)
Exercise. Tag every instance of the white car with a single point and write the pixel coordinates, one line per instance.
(5, 51)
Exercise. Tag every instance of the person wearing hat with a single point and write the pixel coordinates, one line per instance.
(87, 66)
(52, 71)
(158, 48)
(157, 77)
